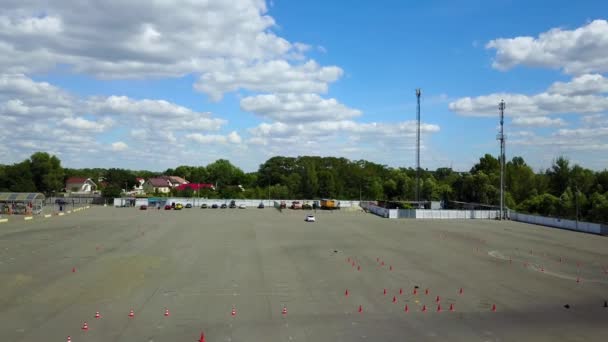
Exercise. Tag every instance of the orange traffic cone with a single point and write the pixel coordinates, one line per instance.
(394, 299)
(452, 308)
(97, 315)
(233, 312)
(73, 269)
(460, 291)
(202, 338)
(69, 339)
(346, 293)
(85, 326)
(385, 292)
(131, 313)
(406, 309)
(426, 291)
(167, 313)
(284, 311)
(400, 291)
(439, 308)
(493, 307)
(415, 291)
(437, 299)
(360, 308)
(424, 308)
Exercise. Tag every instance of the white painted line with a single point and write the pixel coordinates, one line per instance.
(47, 215)
(27, 218)
(3, 220)
(61, 214)
(69, 211)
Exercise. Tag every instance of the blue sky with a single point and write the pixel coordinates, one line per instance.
(127, 85)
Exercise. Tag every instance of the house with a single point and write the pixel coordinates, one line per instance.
(157, 185)
(80, 185)
(176, 181)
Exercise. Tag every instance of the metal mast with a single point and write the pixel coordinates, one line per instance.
(501, 138)
(418, 146)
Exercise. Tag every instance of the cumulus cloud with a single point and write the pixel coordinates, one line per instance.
(578, 51)
(582, 85)
(232, 138)
(277, 76)
(88, 125)
(119, 146)
(83, 35)
(535, 105)
(295, 107)
(537, 121)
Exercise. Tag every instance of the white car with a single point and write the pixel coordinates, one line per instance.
(310, 218)
(242, 206)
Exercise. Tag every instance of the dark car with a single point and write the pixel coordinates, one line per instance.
(261, 205)
(188, 205)
(204, 206)
(223, 206)
(214, 206)
(143, 207)
(167, 207)
(232, 204)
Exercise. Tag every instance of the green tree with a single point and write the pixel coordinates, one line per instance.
(327, 185)
(310, 181)
(47, 173)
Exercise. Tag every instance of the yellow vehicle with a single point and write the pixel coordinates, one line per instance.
(179, 206)
(329, 204)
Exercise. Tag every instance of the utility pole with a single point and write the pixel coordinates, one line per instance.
(501, 138)
(418, 93)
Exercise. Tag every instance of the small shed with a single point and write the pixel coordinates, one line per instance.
(21, 203)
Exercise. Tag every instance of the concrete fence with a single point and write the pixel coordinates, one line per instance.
(587, 227)
(432, 214)
(197, 202)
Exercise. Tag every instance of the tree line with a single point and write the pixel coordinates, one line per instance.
(557, 191)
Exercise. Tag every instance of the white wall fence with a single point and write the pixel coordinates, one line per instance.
(430, 214)
(197, 202)
(587, 227)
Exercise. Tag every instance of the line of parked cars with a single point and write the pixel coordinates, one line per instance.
(179, 206)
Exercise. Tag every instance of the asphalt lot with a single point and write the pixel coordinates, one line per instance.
(202, 263)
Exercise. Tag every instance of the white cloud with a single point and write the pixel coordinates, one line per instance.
(537, 121)
(119, 146)
(277, 76)
(84, 34)
(297, 108)
(519, 104)
(578, 51)
(582, 85)
(88, 125)
(232, 138)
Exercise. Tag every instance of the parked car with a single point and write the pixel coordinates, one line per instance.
(204, 206)
(310, 218)
(242, 206)
(167, 207)
(179, 206)
(188, 205)
(223, 206)
(214, 206)
(232, 204)
(306, 206)
(296, 205)
(143, 207)
(261, 205)
(283, 205)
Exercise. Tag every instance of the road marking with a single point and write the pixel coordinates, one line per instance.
(47, 215)
(27, 218)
